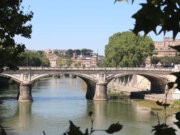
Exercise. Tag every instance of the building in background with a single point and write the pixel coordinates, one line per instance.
(56, 51)
(60, 52)
(52, 59)
(58, 58)
(84, 61)
(162, 48)
(48, 51)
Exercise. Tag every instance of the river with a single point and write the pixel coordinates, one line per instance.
(56, 101)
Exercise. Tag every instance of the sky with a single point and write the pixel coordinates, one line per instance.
(77, 24)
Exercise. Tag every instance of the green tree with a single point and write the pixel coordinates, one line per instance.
(77, 51)
(100, 63)
(168, 60)
(60, 62)
(158, 16)
(44, 61)
(58, 53)
(162, 15)
(78, 64)
(69, 53)
(13, 22)
(155, 60)
(69, 62)
(85, 51)
(127, 50)
(41, 53)
(33, 58)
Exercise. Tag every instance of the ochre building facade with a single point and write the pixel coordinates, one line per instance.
(162, 48)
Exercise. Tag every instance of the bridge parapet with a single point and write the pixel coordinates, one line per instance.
(98, 68)
(106, 70)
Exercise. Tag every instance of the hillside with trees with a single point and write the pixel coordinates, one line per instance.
(33, 58)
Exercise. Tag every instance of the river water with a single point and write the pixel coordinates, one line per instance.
(56, 101)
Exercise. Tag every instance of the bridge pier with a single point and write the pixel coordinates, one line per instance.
(72, 76)
(25, 92)
(90, 90)
(101, 91)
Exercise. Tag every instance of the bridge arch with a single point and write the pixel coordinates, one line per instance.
(38, 77)
(14, 78)
(158, 82)
(90, 81)
(91, 85)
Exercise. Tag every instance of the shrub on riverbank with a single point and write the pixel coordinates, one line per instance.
(176, 104)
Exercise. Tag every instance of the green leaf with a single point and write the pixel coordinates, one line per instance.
(44, 133)
(162, 104)
(178, 116)
(74, 130)
(177, 124)
(177, 74)
(114, 128)
(164, 14)
(163, 129)
(170, 85)
(2, 131)
(177, 47)
(90, 113)
(14, 22)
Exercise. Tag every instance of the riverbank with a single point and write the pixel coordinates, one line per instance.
(145, 99)
(136, 93)
(156, 108)
(148, 104)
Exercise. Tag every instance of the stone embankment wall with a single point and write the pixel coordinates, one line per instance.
(137, 85)
(128, 84)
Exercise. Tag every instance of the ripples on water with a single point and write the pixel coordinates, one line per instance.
(56, 101)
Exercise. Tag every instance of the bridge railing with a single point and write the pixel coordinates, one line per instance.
(95, 69)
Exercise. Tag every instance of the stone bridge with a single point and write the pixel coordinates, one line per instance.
(95, 78)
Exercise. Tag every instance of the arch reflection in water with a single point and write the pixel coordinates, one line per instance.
(56, 103)
(124, 111)
(24, 115)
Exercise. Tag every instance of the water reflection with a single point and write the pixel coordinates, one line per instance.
(24, 115)
(133, 117)
(100, 109)
(56, 101)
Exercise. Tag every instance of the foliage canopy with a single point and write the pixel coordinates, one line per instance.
(33, 58)
(157, 16)
(83, 51)
(127, 50)
(13, 22)
(166, 60)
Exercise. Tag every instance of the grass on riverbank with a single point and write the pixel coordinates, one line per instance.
(116, 94)
(172, 109)
(156, 108)
(120, 95)
(176, 104)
